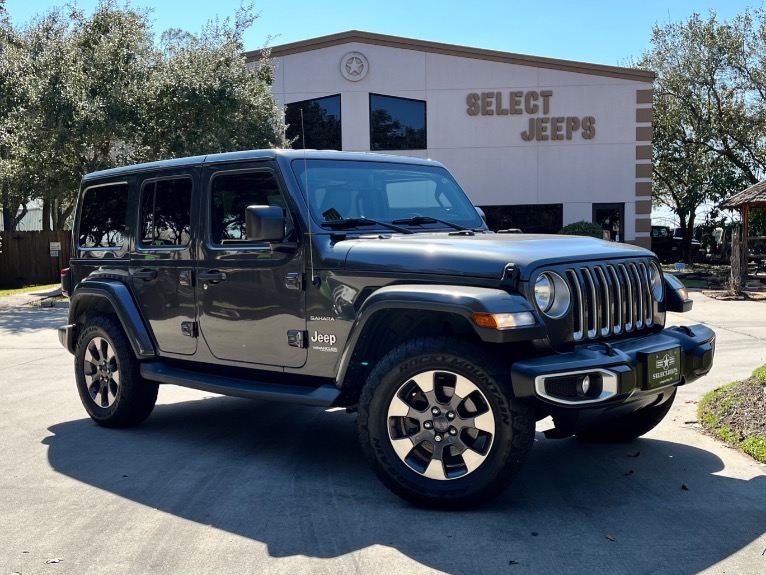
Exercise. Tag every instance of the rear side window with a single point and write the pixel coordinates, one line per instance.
(166, 213)
(231, 194)
(103, 216)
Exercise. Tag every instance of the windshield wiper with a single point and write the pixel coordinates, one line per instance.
(419, 220)
(358, 222)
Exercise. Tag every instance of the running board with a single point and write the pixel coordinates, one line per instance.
(322, 396)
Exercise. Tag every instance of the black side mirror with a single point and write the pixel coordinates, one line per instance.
(265, 223)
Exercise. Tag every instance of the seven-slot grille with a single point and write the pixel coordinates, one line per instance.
(610, 299)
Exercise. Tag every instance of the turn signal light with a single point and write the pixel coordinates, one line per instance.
(504, 320)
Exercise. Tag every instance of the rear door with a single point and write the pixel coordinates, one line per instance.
(161, 261)
(250, 294)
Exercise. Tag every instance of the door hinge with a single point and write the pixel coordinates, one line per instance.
(297, 338)
(294, 280)
(189, 328)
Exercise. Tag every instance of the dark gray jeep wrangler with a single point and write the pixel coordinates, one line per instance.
(368, 282)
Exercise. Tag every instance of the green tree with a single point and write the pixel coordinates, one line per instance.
(81, 92)
(708, 118)
(16, 95)
(201, 96)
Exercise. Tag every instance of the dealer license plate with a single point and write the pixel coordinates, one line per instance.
(663, 367)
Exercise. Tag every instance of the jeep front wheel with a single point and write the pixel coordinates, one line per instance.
(439, 427)
(108, 379)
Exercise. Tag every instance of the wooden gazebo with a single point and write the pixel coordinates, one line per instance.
(753, 247)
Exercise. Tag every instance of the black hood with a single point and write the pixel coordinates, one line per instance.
(482, 255)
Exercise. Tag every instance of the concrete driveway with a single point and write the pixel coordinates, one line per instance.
(222, 485)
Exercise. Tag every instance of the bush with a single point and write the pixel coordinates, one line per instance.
(583, 228)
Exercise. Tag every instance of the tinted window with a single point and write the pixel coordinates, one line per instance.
(166, 213)
(530, 218)
(321, 124)
(397, 123)
(231, 195)
(103, 216)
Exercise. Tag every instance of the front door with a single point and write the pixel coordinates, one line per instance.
(161, 261)
(250, 294)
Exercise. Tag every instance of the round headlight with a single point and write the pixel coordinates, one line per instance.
(655, 281)
(543, 293)
(552, 294)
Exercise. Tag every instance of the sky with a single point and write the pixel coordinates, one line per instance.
(597, 31)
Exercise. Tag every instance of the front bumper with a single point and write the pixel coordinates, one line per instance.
(621, 377)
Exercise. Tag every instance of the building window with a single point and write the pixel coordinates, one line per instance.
(397, 123)
(610, 217)
(103, 216)
(321, 124)
(529, 218)
(166, 213)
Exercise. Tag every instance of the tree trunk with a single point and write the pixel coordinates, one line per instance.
(46, 212)
(8, 212)
(735, 279)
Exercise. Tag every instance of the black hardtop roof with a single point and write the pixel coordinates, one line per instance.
(254, 155)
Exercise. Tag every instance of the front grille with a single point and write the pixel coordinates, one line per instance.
(610, 299)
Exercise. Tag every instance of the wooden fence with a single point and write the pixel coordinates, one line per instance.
(25, 257)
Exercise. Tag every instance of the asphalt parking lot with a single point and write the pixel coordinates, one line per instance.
(220, 485)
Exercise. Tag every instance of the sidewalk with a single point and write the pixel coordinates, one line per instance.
(21, 299)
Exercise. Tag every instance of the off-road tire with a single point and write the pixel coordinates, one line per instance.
(441, 358)
(631, 426)
(102, 352)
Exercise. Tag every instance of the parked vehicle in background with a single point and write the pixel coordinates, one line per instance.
(667, 243)
(369, 282)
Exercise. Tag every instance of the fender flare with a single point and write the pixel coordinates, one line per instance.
(463, 301)
(119, 298)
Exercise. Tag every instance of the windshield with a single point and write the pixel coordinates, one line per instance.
(409, 195)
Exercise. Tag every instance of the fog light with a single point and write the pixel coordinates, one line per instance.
(583, 386)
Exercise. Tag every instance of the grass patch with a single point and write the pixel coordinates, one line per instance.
(755, 447)
(5, 292)
(736, 414)
(701, 284)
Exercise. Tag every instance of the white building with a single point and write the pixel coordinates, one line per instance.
(31, 222)
(536, 142)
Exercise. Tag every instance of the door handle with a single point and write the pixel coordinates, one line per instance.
(145, 274)
(212, 276)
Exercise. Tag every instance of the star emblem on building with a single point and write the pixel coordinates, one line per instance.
(354, 66)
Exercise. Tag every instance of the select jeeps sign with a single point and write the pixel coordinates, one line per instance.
(542, 125)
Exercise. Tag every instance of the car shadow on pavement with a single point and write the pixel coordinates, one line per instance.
(26, 319)
(294, 479)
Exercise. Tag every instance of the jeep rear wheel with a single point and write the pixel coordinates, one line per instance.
(108, 379)
(630, 426)
(438, 426)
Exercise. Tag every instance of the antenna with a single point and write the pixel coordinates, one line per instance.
(314, 279)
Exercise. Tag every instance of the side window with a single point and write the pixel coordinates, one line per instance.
(166, 213)
(103, 215)
(232, 193)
